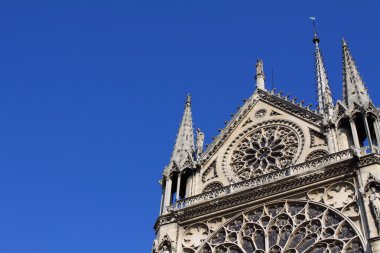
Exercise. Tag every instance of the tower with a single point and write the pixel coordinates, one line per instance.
(280, 177)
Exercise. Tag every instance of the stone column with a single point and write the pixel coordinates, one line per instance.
(336, 139)
(376, 126)
(162, 199)
(195, 183)
(330, 140)
(168, 189)
(195, 178)
(191, 185)
(178, 186)
(354, 133)
(368, 133)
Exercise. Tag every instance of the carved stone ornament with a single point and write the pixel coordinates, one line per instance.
(195, 235)
(285, 105)
(248, 121)
(283, 227)
(199, 142)
(316, 154)
(317, 139)
(263, 149)
(260, 113)
(165, 245)
(212, 186)
(340, 194)
(210, 173)
(374, 204)
(274, 113)
(207, 203)
(372, 189)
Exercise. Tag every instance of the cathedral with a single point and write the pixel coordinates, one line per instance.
(280, 177)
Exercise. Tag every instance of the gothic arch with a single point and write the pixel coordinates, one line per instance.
(212, 186)
(289, 226)
(316, 154)
(165, 245)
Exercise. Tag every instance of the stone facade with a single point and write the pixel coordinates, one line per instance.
(280, 177)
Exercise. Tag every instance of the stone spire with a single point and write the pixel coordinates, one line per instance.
(325, 100)
(354, 90)
(260, 77)
(183, 153)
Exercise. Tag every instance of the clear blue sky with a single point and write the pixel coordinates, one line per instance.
(92, 92)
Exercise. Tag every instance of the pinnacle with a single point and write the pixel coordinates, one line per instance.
(325, 100)
(354, 90)
(184, 144)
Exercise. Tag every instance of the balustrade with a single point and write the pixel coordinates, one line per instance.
(267, 178)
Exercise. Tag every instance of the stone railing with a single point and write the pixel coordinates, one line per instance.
(321, 162)
(264, 179)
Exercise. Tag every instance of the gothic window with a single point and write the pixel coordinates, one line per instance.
(165, 247)
(264, 150)
(281, 227)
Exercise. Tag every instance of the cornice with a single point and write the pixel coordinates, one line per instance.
(296, 109)
(368, 160)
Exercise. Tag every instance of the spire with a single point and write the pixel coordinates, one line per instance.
(260, 77)
(325, 100)
(183, 153)
(354, 89)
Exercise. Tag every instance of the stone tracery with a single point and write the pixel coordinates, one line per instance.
(212, 186)
(264, 150)
(316, 154)
(283, 227)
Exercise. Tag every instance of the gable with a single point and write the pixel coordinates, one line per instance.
(277, 136)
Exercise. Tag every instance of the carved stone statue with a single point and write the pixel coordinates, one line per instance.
(260, 77)
(355, 151)
(200, 139)
(374, 203)
(165, 249)
(259, 67)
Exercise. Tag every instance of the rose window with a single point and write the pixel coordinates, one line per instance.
(284, 227)
(264, 150)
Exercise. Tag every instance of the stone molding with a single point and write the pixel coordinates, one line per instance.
(301, 177)
(271, 123)
(276, 100)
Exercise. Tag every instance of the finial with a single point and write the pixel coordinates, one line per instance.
(260, 77)
(188, 100)
(316, 39)
(344, 43)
